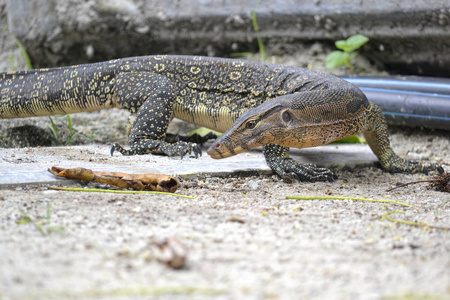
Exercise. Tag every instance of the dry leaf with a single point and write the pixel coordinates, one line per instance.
(149, 182)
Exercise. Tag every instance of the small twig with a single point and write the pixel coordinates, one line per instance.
(118, 191)
(346, 198)
(412, 182)
(440, 182)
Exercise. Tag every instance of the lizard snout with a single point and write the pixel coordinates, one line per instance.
(216, 150)
(220, 150)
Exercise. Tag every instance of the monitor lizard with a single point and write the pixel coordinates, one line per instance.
(214, 93)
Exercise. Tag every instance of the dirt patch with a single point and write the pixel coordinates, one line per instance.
(97, 245)
(245, 240)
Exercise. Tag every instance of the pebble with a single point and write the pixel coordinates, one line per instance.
(253, 184)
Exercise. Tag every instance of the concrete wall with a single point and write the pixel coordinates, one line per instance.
(406, 36)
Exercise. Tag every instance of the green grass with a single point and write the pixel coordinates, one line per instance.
(57, 135)
(25, 56)
(262, 50)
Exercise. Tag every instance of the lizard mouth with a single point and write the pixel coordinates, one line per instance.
(218, 151)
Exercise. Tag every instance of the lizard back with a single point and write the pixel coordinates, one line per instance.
(211, 92)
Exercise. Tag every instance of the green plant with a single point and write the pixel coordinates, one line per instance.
(91, 135)
(55, 131)
(12, 62)
(25, 56)
(56, 134)
(347, 52)
(72, 134)
(262, 50)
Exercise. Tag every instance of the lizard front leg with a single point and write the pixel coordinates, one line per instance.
(277, 158)
(151, 98)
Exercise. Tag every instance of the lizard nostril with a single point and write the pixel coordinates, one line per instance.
(217, 146)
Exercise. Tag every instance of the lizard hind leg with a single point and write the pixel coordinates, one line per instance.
(151, 98)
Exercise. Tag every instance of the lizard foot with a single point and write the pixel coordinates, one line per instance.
(159, 147)
(400, 165)
(291, 170)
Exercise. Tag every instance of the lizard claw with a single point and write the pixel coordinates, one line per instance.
(119, 148)
(197, 151)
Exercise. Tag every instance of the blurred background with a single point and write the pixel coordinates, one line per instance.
(405, 37)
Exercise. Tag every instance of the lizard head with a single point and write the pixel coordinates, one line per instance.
(268, 123)
(298, 120)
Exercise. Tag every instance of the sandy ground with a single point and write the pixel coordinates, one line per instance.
(245, 240)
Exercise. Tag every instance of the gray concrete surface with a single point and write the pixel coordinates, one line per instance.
(25, 166)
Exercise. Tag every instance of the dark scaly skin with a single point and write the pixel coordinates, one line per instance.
(210, 92)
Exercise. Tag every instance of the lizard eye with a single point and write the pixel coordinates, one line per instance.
(286, 116)
(250, 124)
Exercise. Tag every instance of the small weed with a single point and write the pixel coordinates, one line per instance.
(42, 224)
(349, 46)
(12, 62)
(25, 56)
(57, 135)
(91, 135)
(262, 50)
(55, 131)
(72, 134)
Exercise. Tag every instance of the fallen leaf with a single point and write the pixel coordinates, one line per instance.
(149, 182)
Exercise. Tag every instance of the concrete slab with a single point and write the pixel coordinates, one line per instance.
(29, 165)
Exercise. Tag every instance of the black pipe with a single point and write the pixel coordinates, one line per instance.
(409, 100)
